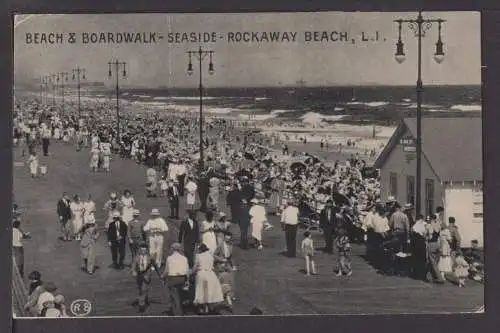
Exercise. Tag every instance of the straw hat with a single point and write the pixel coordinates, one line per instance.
(137, 212)
(391, 199)
(254, 200)
(408, 206)
(116, 214)
(155, 212)
(176, 247)
(59, 299)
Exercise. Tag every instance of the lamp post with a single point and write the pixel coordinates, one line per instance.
(76, 75)
(419, 26)
(201, 54)
(116, 66)
(63, 76)
(53, 80)
(46, 81)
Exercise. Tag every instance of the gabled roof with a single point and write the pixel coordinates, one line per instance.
(453, 146)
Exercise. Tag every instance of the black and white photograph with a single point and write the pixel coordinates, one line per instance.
(247, 164)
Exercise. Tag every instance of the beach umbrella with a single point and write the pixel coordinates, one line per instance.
(297, 166)
(249, 156)
(341, 199)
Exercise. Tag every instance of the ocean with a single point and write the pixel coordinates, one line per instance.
(384, 105)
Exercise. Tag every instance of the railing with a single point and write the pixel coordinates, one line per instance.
(19, 292)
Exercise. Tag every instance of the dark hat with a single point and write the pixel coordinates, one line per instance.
(35, 275)
(50, 287)
(202, 248)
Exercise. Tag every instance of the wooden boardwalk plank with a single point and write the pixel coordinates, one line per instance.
(265, 278)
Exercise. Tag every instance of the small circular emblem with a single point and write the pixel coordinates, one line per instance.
(80, 307)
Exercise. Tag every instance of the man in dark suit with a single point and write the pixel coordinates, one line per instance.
(173, 198)
(64, 213)
(328, 222)
(189, 234)
(117, 235)
(203, 190)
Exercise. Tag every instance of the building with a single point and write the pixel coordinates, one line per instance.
(451, 169)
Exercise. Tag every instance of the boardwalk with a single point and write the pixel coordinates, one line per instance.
(265, 278)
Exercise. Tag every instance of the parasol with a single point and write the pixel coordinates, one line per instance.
(297, 166)
(249, 156)
(341, 199)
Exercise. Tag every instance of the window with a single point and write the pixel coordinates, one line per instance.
(393, 184)
(429, 196)
(410, 190)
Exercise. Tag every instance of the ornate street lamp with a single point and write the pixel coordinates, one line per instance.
(116, 66)
(419, 26)
(201, 54)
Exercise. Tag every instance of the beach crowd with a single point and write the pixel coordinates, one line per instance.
(263, 188)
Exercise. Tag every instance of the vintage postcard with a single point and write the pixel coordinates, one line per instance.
(247, 164)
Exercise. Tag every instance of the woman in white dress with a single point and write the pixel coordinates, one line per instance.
(111, 206)
(77, 210)
(106, 156)
(33, 164)
(207, 230)
(128, 203)
(208, 291)
(57, 133)
(89, 211)
(191, 189)
(94, 160)
(258, 218)
(445, 263)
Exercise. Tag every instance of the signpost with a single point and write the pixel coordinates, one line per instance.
(409, 148)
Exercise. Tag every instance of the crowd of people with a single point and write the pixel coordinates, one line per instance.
(340, 200)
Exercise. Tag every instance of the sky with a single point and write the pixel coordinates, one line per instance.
(240, 64)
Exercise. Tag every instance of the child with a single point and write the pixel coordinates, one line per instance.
(473, 257)
(343, 253)
(307, 248)
(163, 186)
(226, 279)
(461, 269)
(43, 170)
(33, 164)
